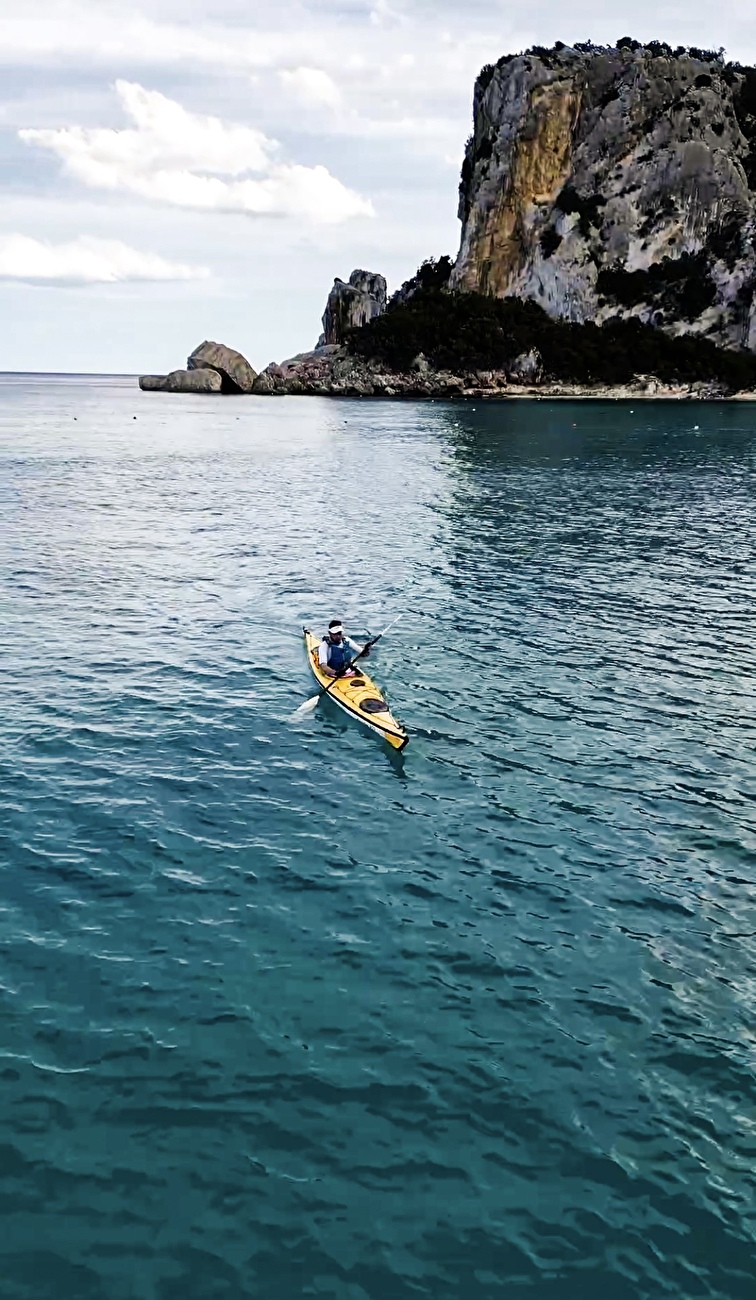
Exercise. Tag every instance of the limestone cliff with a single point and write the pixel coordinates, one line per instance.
(606, 182)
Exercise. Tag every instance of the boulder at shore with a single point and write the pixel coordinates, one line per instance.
(236, 374)
(353, 304)
(192, 381)
(152, 383)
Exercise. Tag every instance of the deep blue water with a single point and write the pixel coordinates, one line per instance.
(284, 1015)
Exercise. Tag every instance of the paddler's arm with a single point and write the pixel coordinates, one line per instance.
(363, 651)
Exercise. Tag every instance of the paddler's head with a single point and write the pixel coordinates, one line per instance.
(335, 629)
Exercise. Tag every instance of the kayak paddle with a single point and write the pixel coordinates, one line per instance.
(314, 700)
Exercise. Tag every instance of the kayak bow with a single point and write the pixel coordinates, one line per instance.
(358, 696)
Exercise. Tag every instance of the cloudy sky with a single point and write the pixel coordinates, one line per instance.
(175, 170)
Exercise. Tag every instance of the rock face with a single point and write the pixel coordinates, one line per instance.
(332, 371)
(237, 375)
(327, 371)
(527, 368)
(152, 383)
(605, 182)
(192, 381)
(352, 304)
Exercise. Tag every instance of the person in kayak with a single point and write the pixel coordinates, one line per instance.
(336, 651)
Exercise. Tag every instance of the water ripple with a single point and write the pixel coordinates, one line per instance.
(287, 1015)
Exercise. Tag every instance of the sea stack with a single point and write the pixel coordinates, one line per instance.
(351, 304)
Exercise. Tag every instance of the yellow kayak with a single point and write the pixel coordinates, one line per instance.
(358, 696)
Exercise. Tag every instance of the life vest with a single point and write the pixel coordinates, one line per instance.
(339, 656)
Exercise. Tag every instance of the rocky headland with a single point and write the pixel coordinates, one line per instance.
(608, 246)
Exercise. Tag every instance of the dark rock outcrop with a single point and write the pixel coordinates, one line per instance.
(326, 371)
(237, 375)
(615, 182)
(433, 273)
(527, 368)
(152, 383)
(351, 305)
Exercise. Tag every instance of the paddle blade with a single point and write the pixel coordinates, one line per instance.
(308, 707)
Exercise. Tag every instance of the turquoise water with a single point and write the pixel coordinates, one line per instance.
(286, 1015)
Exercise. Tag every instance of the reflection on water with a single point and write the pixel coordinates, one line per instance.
(288, 1014)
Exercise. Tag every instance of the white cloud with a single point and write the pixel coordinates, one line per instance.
(384, 15)
(312, 86)
(86, 261)
(324, 55)
(83, 29)
(172, 156)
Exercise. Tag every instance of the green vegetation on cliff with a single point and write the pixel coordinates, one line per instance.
(463, 332)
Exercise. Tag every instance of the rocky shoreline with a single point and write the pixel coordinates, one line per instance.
(334, 368)
(330, 370)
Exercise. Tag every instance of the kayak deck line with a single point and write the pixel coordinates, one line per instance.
(358, 696)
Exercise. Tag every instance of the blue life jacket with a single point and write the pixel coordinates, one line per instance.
(339, 656)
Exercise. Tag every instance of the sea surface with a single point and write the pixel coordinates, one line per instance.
(287, 1015)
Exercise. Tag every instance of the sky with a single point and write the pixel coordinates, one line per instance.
(174, 171)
